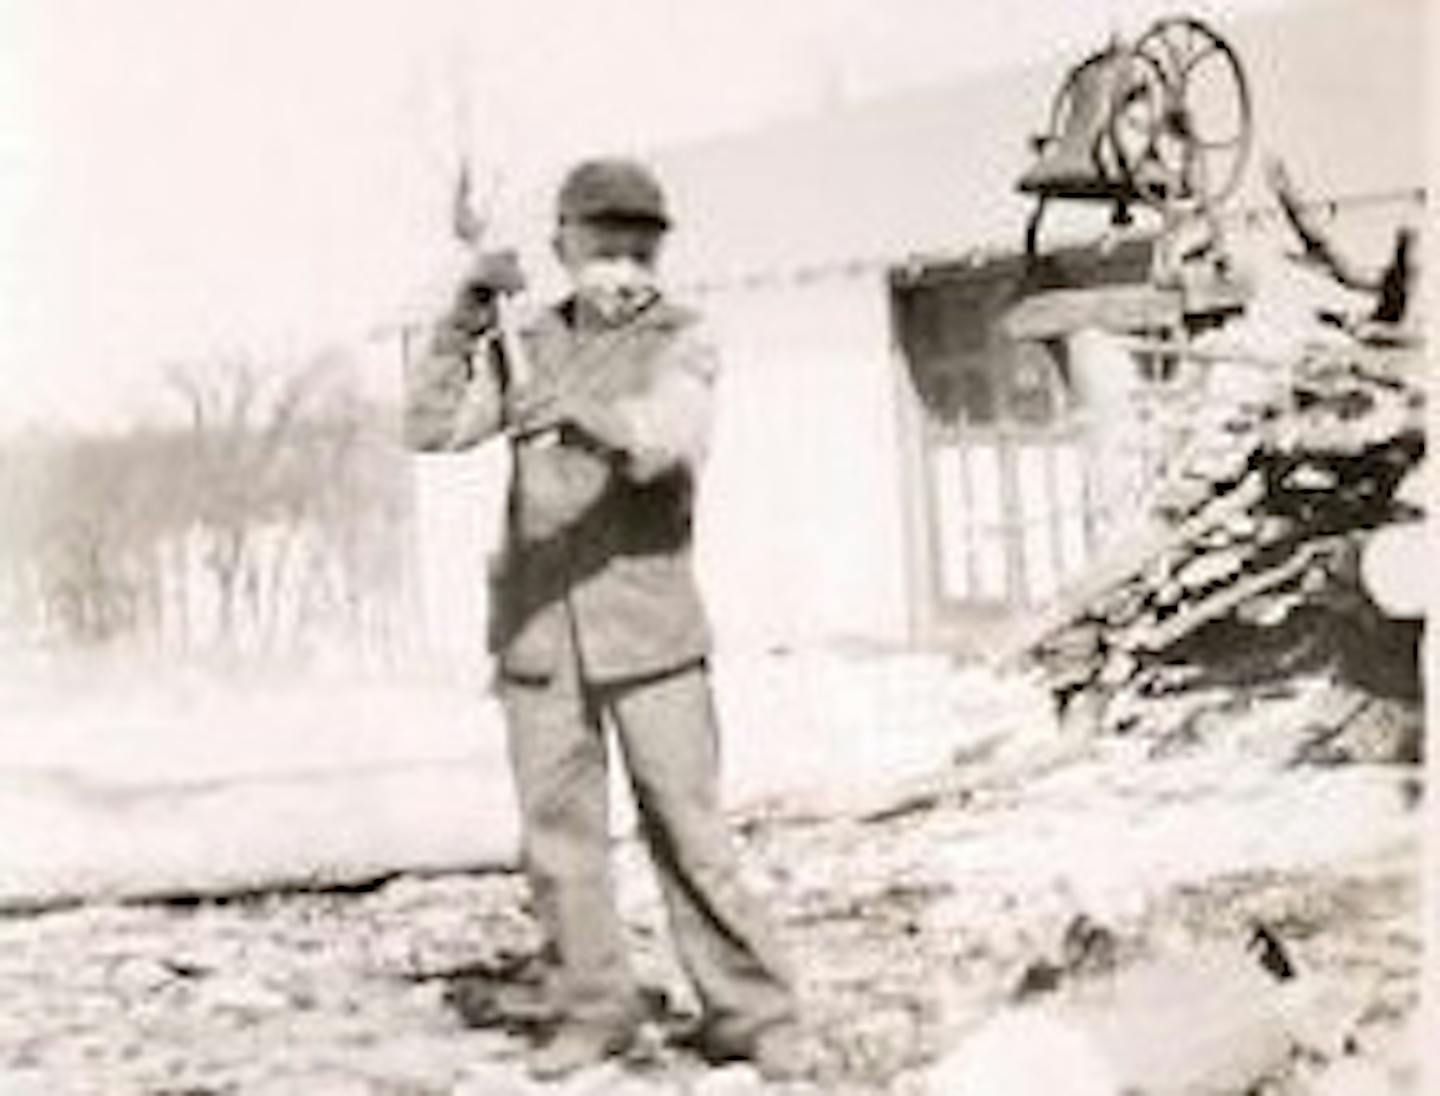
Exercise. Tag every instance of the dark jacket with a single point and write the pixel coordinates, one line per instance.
(600, 519)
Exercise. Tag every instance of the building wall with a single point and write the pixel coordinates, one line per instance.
(802, 526)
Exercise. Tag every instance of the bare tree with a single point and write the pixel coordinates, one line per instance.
(297, 492)
(271, 516)
(242, 421)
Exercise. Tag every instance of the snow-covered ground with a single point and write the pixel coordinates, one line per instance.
(123, 781)
(912, 903)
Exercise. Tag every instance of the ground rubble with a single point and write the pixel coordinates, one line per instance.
(931, 921)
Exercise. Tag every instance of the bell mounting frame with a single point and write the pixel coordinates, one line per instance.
(1165, 122)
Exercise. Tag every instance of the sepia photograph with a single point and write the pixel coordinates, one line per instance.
(826, 548)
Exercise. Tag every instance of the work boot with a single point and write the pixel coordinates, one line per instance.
(576, 1046)
(779, 1052)
(509, 994)
(484, 1003)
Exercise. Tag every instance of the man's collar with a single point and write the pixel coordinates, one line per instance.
(658, 313)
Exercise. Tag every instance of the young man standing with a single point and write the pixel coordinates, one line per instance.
(596, 620)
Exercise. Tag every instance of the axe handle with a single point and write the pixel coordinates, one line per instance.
(518, 372)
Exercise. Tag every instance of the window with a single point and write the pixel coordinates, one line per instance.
(1004, 484)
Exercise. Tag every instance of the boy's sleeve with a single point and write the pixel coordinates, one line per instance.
(453, 399)
(670, 423)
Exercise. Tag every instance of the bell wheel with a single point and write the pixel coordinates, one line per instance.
(1183, 119)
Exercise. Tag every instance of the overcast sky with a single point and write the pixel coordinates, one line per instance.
(180, 179)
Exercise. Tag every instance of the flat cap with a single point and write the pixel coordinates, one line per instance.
(613, 189)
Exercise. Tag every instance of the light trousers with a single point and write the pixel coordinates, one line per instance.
(668, 737)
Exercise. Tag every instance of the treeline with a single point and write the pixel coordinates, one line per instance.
(269, 518)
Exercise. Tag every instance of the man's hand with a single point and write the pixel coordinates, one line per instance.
(492, 275)
(598, 421)
(538, 411)
(533, 410)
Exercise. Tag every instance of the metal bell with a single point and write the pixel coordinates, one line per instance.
(1070, 163)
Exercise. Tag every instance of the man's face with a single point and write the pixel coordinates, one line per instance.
(578, 243)
(611, 263)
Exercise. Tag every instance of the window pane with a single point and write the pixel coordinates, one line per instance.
(952, 524)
